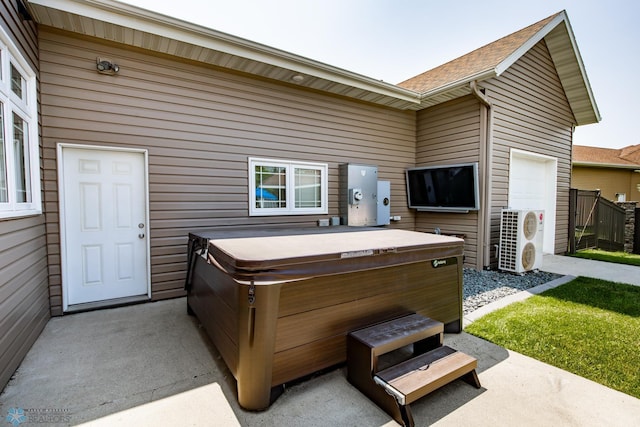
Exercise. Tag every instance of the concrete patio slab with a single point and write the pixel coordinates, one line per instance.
(153, 365)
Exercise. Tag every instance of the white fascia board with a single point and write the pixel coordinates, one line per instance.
(524, 48)
(136, 18)
(605, 165)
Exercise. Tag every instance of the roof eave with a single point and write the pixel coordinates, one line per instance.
(572, 72)
(453, 89)
(605, 165)
(128, 16)
(564, 52)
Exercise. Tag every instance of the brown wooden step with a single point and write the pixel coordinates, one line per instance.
(414, 378)
(394, 388)
(393, 334)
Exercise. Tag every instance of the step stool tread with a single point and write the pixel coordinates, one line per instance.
(415, 363)
(396, 333)
(423, 374)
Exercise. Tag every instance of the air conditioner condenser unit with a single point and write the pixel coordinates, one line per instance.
(521, 233)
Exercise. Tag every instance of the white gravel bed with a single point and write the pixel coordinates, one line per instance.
(483, 287)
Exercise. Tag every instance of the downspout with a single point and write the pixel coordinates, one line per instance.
(488, 161)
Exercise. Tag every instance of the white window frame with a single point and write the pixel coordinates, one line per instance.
(289, 166)
(26, 109)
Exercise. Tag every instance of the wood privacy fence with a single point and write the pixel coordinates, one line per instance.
(594, 222)
(636, 233)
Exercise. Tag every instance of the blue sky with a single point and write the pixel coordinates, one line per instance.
(393, 40)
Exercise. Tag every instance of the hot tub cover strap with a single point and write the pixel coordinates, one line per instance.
(194, 246)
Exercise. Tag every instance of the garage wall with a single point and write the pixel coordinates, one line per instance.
(24, 296)
(531, 113)
(609, 181)
(448, 134)
(200, 125)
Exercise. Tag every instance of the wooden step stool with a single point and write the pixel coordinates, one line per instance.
(394, 388)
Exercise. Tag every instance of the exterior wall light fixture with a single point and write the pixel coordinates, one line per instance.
(106, 67)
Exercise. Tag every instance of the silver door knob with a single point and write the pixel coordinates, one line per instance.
(141, 236)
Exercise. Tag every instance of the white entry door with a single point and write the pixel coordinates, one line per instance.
(104, 224)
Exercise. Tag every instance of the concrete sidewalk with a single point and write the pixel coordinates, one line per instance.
(572, 266)
(153, 365)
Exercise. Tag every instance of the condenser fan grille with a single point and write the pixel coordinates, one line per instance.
(508, 241)
(530, 225)
(528, 256)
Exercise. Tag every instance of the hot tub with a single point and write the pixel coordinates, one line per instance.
(279, 303)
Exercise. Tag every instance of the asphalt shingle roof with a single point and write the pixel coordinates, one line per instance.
(625, 157)
(474, 63)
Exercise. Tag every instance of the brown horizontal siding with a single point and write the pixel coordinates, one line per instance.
(531, 113)
(23, 33)
(200, 125)
(24, 295)
(447, 134)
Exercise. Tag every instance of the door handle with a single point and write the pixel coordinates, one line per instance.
(141, 236)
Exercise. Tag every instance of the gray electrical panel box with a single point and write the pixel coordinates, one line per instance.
(384, 203)
(358, 194)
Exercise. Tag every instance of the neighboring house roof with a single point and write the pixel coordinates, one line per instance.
(622, 158)
(134, 26)
(493, 59)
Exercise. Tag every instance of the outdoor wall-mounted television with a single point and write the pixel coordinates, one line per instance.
(449, 188)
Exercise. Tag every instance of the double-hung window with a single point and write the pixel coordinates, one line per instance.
(283, 187)
(19, 161)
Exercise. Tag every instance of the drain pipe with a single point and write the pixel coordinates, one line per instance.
(487, 150)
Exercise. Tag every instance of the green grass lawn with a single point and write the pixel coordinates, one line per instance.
(589, 327)
(617, 257)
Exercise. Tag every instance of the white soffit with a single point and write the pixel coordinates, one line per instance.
(130, 25)
(566, 57)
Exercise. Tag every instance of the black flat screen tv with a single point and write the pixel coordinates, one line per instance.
(449, 188)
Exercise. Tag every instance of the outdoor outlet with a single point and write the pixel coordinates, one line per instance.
(396, 218)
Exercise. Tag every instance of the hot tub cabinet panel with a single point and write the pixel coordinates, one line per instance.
(283, 317)
(213, 298)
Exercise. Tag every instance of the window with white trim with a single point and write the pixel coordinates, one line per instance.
(283, 187)
(19, 151)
